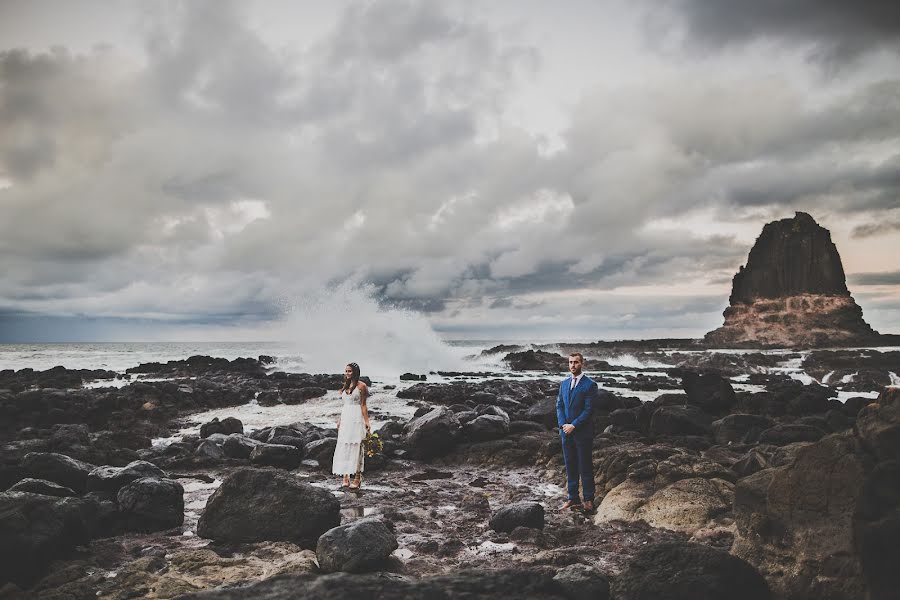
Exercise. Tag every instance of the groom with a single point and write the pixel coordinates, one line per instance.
(573, 413)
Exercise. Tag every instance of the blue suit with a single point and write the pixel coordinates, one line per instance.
(575, 407)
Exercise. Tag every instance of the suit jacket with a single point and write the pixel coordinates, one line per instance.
(575, 406)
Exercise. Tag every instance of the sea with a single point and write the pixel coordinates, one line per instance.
(383, 359)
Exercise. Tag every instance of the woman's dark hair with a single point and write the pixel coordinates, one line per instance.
(354, 379)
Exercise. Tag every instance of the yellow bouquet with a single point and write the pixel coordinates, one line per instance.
(373, 444)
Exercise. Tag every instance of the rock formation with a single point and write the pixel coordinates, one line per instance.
(792, 293)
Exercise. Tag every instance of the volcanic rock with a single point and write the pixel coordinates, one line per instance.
(788, 433)
(468, 585)
(276, 455)
(792, 293)
(239, 446)
(486, 427)
(520, 514)
(680, 420)
(433, 433)
(152, 504)
(226, 426)
(255, 505)
(112, 479)
(711, 392)
(740, 428)
(58, 468)
(677, 570)
(363, 545)
(825, 524)
(536, 360)
(581, 582)
(35, 528)
(663, 486)
(43, 487)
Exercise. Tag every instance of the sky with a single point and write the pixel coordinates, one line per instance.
(512, 169)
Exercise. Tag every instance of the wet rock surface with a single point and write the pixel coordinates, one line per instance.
(520, 514)
(363, 545)
(254, 505)
(679, 570)
(729, 464)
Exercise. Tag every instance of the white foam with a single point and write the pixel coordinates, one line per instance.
(844, 395)
(332, 327)
(630, 360)
(489, 547)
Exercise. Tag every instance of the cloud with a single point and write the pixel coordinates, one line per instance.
(838, 31)
(219, 175)
(882, 278)
(881, 227)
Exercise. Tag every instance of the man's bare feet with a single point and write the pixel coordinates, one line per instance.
(570, 505)
(354, 485)
(588, 506)
(346, 481)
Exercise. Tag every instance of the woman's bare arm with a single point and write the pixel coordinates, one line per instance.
(363, 395)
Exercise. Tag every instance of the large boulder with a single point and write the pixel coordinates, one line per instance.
(254, 505)
(789, 433)
(740, 428)
(43, 487)
(543, 411)
(151, 504)
(112, 479)
(363, 545)
(34, 529)
(210, 449)
(226, 426)
(712, 393)
(827, 523)
(321, 451)
(536, 360)
(680, 492)
(686, 505)
(878, 425)
(581, 582)
(519, 514)
(679, 570)
(433, 433)
(796, 523)
(486, 427)
(877, 519)
(238, 446)
(301, 395)
(276, 455)
(58, 468)
(680, 421)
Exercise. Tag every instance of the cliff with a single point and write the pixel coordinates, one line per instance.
(792, 293)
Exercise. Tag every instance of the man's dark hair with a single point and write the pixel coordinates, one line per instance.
(578, 354)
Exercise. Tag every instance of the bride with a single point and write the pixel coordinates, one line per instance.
(352, 426)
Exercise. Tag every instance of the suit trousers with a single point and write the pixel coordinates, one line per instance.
(577, 452)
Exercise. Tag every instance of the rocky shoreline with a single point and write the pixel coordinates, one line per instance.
(776, 488)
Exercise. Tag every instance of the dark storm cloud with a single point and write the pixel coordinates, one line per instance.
(501, 303)
(885, 278)
(222, 174)
(881, 227)
(840, 30)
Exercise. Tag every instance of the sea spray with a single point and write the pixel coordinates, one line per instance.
(345, 323)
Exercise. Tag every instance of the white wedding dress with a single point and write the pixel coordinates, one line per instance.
(349, 454)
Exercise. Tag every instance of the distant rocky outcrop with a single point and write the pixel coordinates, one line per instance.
(792, 293)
